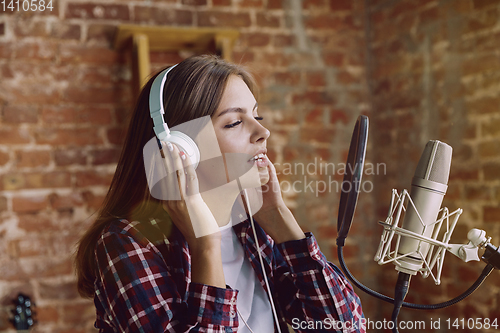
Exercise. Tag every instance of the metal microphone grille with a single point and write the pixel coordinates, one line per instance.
(435, 162)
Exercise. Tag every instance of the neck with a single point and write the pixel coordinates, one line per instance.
(220, 201)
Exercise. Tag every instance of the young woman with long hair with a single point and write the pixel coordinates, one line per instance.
(149, 270)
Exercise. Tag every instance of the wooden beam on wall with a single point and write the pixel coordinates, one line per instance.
(145, 39)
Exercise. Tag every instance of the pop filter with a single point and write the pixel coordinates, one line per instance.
(352, 178)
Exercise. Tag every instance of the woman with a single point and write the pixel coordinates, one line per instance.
(142, 261)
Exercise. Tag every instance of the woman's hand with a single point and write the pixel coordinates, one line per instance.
(193, 218)
(190, 214)
(274, 216)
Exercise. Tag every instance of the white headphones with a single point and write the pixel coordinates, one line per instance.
(163, 133)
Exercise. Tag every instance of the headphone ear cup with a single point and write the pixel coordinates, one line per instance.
(185, 144)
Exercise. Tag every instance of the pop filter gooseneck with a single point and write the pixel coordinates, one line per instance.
(352, 178)
(347, 206)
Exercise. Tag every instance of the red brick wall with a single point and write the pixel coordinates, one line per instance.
(65, 94)
(420, 69)
(434, 73)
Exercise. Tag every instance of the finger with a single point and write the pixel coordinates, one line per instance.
(192, 185)
(172, 187)
(177, 162)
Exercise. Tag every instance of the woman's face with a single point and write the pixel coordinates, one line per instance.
(238, 128)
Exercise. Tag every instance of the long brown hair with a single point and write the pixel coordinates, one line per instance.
(194, 89)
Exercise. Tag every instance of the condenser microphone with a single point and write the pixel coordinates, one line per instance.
(428, 188)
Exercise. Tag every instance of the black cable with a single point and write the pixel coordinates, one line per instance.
(400, 291)
(484, 274)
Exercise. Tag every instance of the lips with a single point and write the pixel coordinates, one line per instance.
(260, 159)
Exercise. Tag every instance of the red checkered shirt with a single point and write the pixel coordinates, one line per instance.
(144, 284)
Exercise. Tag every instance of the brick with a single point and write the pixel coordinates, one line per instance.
(485, 105)
(491, 171)
(315, 116)
(194, 2)
(489, 149)
(94, 95)
(56, 179)
(101, 32)
(3, 204)
(68, 115)
(30, 28)
(79, 314)
(334, 59)
(163, 16)
(491, 127)
(31, 246)
(22, 204)
(42, 51)
(6, 50)
(12, 270)
(479, 64)
(32, 158)
(476, 192)
(93, 201)
(316, 79)
(463, 174)
(287, 78)
(47, 314)
(223, 19)
(256, 39)
(71, 200)
(313, 97)
(16, 114)
(105, 156)
(13, 135)
(87, 54)
(116, 135)
(93, 178)
(283, 41)
(327, 21)
(65, 157)
(37, 222)
(275, 4)
(491, 214)
(221, 3)
(58, 291)
(482, 21)
(268, 20)
(34, 93)
(4, 158)
(52, 114)
(338, 5)
(318, 135)
(97, 11)
(339, 116)
(61, 30)
(66, 136)
(481, 4)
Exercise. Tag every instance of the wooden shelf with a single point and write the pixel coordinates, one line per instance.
(142, 39)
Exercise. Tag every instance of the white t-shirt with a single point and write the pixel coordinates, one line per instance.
(253, 302)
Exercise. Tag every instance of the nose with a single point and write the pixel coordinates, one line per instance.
(260, 133)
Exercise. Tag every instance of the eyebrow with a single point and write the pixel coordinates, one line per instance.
(236, 109)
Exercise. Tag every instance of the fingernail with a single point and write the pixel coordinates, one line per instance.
(170, 147)
(183, 155)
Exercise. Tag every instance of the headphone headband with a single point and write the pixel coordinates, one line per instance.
(156, 109)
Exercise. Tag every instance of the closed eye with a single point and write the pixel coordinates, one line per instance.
(236, 123)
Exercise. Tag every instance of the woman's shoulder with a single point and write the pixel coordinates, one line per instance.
(152, 231)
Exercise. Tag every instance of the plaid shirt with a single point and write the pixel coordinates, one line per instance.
(144, 284)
